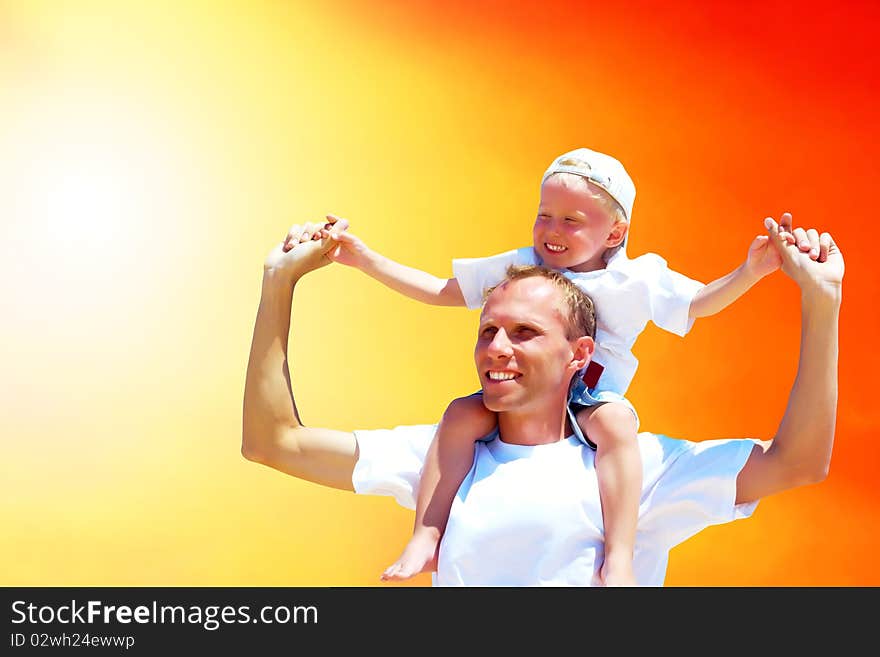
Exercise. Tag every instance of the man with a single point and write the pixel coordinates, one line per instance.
(528, 512)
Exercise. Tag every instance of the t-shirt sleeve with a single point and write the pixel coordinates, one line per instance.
(390, 461)
(690, 486)
(476, 275)
(671, 294)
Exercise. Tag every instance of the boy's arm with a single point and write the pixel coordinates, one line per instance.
(762, 260)
(720, 293)
(413, 283)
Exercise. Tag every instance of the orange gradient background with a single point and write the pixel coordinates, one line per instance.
(151, 153)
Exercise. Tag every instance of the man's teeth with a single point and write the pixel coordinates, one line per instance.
(501, 376)
(555, 248)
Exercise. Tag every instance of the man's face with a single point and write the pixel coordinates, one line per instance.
(523, 357)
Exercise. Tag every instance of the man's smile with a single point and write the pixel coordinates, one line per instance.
(502, 375)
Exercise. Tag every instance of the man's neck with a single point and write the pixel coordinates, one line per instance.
(530, 428)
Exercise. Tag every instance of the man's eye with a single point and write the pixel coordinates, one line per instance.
(488, 332)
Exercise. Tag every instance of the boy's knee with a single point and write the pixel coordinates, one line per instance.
(608, 419)
(467, 408)
(470, 412)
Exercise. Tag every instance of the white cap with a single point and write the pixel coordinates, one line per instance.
(600, 169)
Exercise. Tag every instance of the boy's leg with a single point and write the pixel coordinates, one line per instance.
(447, 462)
(613, 428)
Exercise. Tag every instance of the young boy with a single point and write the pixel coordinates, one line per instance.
(583, 220)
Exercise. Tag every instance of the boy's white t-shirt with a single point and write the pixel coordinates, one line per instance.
(531, 515)
(627, 294)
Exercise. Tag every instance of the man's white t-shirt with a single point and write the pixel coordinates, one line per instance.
(530, 515)
(627, 294)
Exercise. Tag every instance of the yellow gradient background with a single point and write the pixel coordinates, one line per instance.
(151, 153)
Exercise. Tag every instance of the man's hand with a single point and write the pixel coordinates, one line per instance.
(349, 249)
(811, 259)
(304, 249)
(299, 233)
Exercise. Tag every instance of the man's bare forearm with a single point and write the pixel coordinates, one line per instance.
(268, 398)
(805, 437)
(800, 452)
(272, 433)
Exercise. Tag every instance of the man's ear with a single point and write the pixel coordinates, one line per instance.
(583, 351)
(617, 234)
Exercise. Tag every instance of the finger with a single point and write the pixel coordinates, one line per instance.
(336, 224)
(781, 241)
(327, 230)
(308, 230)
(813, 238)
(785, 222)
(800, 236)
(758, 245)
(292, 236)
(783, 233)
(346, 237)
(825, 243)
(334, 253)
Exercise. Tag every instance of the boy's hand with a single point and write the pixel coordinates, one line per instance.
(350, 250)
(304, 248)
(763, 258)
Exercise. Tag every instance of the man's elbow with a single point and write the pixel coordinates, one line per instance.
(254, 447)
(808, 474)
(819, 473)
(250, 449)
(271, 446)
(797, 468)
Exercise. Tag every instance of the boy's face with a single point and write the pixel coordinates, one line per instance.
(573, 229)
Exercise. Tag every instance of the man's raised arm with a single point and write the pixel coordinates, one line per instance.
(800, 453)
(272, 433)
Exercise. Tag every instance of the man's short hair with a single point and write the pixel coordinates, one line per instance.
(580, 319)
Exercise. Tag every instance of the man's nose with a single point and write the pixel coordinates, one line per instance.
(500, 345)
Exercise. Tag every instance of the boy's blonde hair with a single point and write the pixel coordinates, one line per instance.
(603, 170)
(596, 193)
